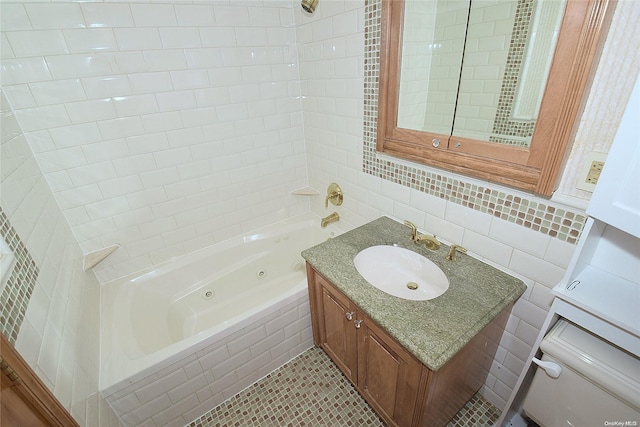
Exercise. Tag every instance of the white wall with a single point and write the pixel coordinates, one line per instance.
(163, 127)
(58, 334)
(332, 81)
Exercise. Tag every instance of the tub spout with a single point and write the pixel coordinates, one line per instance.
(334, 217)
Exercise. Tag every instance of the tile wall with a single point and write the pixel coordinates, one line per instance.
(449, 29)
(485, 63)
(377, 185)
(417, 58)
(162, 127)
(49, 303)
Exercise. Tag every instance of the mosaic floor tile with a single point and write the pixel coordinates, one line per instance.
(311, 391)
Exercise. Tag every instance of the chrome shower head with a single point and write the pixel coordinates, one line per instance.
(309, 5)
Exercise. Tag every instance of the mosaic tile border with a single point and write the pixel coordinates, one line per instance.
(16, 294)
(503, 124)
(544, 217)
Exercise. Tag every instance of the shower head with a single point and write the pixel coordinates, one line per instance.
(309, 5)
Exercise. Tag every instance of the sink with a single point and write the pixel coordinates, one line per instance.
(401, 272)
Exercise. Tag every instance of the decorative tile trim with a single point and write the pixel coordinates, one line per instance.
(16, 294)
(503, 125)
(557, 222)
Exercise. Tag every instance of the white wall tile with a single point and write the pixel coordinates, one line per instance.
(559, 253)
(172, 157)
(107, 14)
(232, 16)
(90, 40)
(180, 37)
(190, 79)
(194, 15)
(165, 60)
(92, 173)
(19, 96)
(121, 127)
(105, 87)
(134, 164)
(39, 118)
(14, 17)
(56, 92)
(138, 38)
(487, 248)
(50, 16)
(159, 177)
(24, 70)
(150, 82)
(522, 238)
(92, 110)
(61, 159)
(106, 150)
(81, 65)
(535, 268)
(37, 43)
(75, 135)
(153, 15)
(178, 100)
(135, 105)
(468, 218)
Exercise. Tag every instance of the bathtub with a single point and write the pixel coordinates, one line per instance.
(181, 338)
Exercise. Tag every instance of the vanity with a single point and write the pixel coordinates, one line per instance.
(416, 362)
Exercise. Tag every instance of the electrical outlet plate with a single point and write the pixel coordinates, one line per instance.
(591, 171)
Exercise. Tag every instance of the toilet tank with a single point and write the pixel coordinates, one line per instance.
(598, 384)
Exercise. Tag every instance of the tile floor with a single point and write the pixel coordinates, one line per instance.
(311, 391)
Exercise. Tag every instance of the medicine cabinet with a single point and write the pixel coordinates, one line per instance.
(534, 164)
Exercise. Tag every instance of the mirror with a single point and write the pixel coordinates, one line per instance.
(519, 134)
(485, 61)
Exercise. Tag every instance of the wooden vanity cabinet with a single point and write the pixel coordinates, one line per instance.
(401, 390)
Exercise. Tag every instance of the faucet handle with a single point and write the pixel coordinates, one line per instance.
(414, 229)
(334, 194)
(451, 256)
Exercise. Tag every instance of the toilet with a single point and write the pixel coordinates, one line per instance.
(583, 380)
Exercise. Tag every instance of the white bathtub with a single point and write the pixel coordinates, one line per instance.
(193, 319)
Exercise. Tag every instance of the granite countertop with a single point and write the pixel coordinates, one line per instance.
(432, 330)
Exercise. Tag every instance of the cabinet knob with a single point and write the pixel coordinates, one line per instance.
(350, 315)
(357, 323)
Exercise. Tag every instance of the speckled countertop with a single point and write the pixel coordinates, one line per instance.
(432, 330)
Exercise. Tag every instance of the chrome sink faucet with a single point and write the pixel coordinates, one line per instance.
(430, 241)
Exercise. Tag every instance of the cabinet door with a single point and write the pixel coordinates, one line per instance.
(616, 199)
(337, 332)
(388, 376)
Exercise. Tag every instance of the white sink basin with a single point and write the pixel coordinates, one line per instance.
(401, 272)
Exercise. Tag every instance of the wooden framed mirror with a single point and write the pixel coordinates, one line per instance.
(535, 167)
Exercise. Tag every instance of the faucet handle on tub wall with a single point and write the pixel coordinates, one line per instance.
(334, 194)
